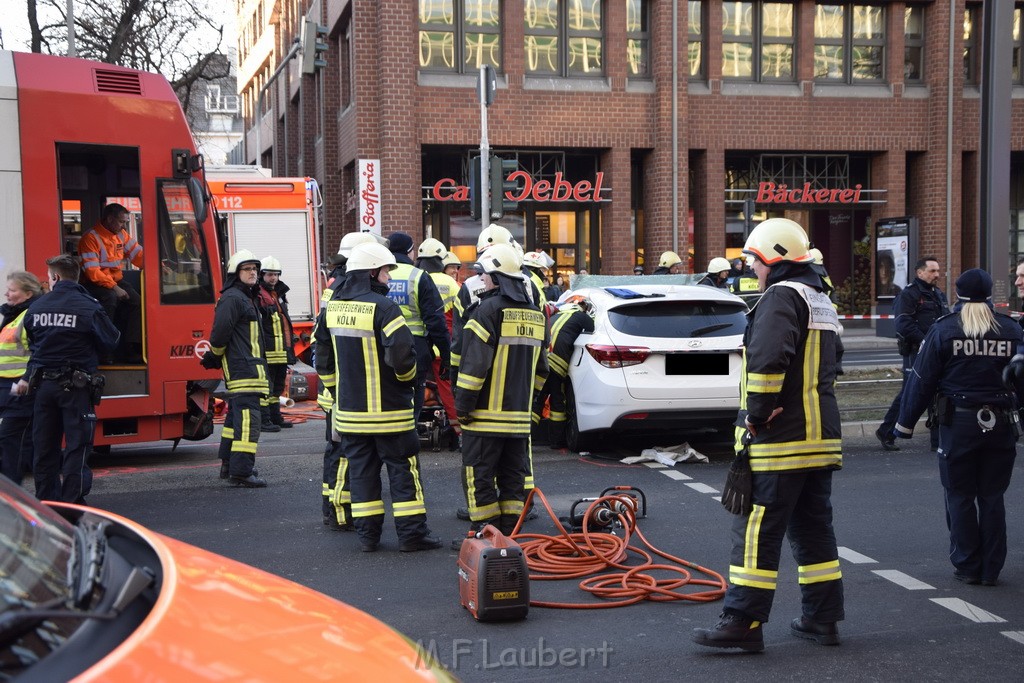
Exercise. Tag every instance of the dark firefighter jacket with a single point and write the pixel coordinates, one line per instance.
(237, 339)
(566, 326)
(469, 294)
(277, 325)
(790, 361)
(365, 356)
(504, 360)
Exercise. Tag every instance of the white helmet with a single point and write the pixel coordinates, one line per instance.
(451, 259)
(350, 240)
(239, 258)
(776, 240)
(816, 254)
(431, 247)
(269, 264)
(368, 256)
(534, 259)
(669, 259)
(492, 234)
(501, 258)
(718, 264)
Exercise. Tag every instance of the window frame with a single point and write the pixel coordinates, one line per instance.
(972, 44)
(758, 41)
(914, 43)
(459, 30)
(848, 43)
(1018, 45)
(563, 36)
(641, 36)
(699, 38)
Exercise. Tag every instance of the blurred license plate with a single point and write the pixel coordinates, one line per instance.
(697, 364)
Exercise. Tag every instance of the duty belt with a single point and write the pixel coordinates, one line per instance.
(989, 416)
(56, 374)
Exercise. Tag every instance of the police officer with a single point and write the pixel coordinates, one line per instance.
(916, 309)
(963, 358)
(795, 443)
(573, 318)
(277, 341)
(417, 297)
(669, 264)
(236, 347)
(67, 331)
(365, 356)
(504, 360)
(23, 289)
(717, 275)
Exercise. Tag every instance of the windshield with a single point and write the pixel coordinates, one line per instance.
(680, 319)
(184, 263)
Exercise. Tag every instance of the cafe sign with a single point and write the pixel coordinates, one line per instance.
(557, 190)
(770, 193)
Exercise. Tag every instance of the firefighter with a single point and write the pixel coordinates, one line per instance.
(417, 297)
(792, 427)
(717, 275)
(366, 357)
(533, 268)
(452, 266)
(574, 317)
(277, 341)
(23, 289)
(670, 264)
(504, 361)
(102, 250)
(431, 256)
(67, 331)
(236, 347)
(963, 359)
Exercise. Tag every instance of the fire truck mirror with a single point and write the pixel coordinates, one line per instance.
(199, 203)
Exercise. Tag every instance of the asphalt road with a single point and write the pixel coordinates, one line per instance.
(906, 618)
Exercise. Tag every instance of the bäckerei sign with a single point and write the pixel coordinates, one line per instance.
(770, 193)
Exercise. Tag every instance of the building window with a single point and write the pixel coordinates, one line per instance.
(563, 38)
(972, 13)
(1018, 43)
(695, 38)
(849, 43)
(757, 41)
(913, 43)
(346, 57)
(460, 36)
(638, 38)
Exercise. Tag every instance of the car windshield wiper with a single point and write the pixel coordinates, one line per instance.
(701, 331)
(86, 563)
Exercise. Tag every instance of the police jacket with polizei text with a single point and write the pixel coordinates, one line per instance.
(365, 355)
(916, 309)
(968, 370)
(237, 338)
(566, 326)
(504, 360)
(790, 362)
(277, 325)
(415, 293)
(67, 328)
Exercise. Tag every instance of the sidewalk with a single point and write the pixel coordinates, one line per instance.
(857, 336)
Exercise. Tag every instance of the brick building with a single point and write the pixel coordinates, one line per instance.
(836, 115)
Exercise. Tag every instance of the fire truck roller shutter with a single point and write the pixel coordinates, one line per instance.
(285, 234)
(12, 217)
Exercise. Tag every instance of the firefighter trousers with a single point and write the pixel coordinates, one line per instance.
(494, 476)
(337, 499)
(797, 504)
(366, 454)
(241, 433)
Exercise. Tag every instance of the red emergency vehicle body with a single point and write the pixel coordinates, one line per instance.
(84, 134)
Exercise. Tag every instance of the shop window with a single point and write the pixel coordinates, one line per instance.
(849, 43)
(972, 31)
(638, 38)
(913, 43)
(758, 41)
(564, 38)
(459, 36)
(695, 38)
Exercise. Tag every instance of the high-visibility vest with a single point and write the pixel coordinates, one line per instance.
(404, 289)
(14, 348)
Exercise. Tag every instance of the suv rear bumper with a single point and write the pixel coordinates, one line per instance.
(669, 420)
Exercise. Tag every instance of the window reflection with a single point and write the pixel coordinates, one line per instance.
(459, 35)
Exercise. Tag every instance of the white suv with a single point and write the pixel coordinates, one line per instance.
(662, 357)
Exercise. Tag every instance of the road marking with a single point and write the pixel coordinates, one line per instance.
(966, 609)
(718, 498)
(655, 465)
(903, 580)
(1017, 636)
(678, 476)
(854, 557)
(702, 488)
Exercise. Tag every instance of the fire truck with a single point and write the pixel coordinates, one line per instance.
(79, 135)
(275, 217)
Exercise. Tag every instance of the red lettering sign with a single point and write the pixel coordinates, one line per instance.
(561, 190)
(770, 193)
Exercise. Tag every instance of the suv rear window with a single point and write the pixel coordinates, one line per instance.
(680, 319)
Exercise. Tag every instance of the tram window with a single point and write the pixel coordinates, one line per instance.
(184, 264)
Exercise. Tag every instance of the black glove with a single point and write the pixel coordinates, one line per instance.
(465, 419)
(1013, 373)
(445, 373)
(210, 361)
(737, 493)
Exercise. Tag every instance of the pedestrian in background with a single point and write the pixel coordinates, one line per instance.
(23, 289)
(277, 341)
(916, 309)
(795, 443)
(962, 360)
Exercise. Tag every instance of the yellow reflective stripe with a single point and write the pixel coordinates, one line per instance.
(812, 406)
(358, 427)
(558, 417)
(407, 376)
(218, 350)
(750, 536)
(498, 371)
(409, 508)
(761, 383)
(510, 428)
(479, 514)
(753, 577)
(796, 462)
(254, 339)
(370, 508)
(227, 433)
(456, 359)
(394, 326)
(469, 382)
(329, 380)
(560, 322)
(511, 507)
(378, 416)
(502, 414)
(817, 573)
(558, 364)
(476, 328)
(373, 398)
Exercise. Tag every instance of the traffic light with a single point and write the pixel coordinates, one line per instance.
(474, 189)
(500, 184)
(314, 42)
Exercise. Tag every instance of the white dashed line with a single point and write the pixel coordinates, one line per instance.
(854, 557)
(718, 498)
(654, 465)
(903, 580)
(966, 609)
(678, 476)
(702, 488)
(1016, 636)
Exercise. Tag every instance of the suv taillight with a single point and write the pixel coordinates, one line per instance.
(612, 356)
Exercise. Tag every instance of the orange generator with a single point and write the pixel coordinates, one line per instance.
(494, 580)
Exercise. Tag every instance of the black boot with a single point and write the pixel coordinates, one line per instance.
(276, 418)
(732, 631)
(267, 424)
(823, 634)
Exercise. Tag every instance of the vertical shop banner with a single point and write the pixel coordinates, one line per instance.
(892, 256)
(369, 195)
